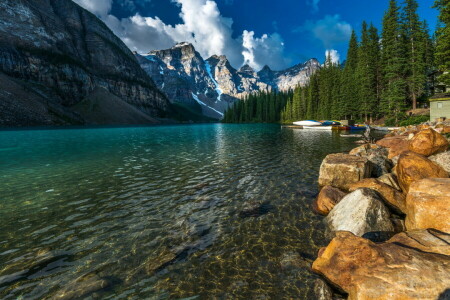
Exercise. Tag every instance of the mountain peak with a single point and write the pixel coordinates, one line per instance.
(266, 68)
(183, 45)
(246, 69)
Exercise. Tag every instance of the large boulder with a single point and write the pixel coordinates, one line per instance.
(392, 197)
(326, 200)
(391, 180)
(340, 170)
(360, 212)
(428, 204)
(377, 155)
(399, 269)
(427, 240)
(396, 145)
(442, 159)
(428, 142)
(412, 167)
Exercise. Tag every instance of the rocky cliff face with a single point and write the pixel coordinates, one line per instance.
(60, 53)
(213, 84)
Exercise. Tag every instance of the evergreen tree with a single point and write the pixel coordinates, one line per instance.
(442, 53)
(349, 101)
(367, 73)
(416, 39)
(394, 62)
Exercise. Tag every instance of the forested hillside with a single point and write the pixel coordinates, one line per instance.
(385, 74)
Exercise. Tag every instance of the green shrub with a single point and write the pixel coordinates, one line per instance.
(415, 120)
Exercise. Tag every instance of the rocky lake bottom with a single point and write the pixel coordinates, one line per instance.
(200, 211)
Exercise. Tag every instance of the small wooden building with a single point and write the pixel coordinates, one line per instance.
(440, 107)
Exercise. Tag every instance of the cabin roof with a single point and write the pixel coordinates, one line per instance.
(441, 97)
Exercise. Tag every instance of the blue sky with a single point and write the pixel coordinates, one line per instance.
(279, 33)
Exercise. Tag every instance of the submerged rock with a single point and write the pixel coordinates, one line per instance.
(428, 204)
(322, 290)
(360, 212)
(393, 198)
(392, 270)
(413, 167)
(83, 287)
(255, 209)
(159, 261)
(341, 170)
(428, 142)
(327, 199)
(293, 260)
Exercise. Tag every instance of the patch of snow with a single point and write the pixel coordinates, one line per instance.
(204, 104)
(218, 89)
(179, 45)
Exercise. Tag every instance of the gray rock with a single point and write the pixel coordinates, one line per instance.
(391, 180)
(377, 155)
(442, 159)
(360, 212)
(342, 170)
(380, 163)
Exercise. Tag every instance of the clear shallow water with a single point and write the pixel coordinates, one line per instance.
(203, 211)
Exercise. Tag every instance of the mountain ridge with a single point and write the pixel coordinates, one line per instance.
(212, 84)
(55, 53)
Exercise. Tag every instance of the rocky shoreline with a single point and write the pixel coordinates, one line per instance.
(387, 208)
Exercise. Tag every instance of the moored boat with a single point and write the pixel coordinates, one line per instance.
(330, 123)
(318, 127)
(308, 123)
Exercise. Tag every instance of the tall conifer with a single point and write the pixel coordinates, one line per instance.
(442, 53)
(394, 62)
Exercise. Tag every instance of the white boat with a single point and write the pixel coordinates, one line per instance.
(307, 123)
(318, 127)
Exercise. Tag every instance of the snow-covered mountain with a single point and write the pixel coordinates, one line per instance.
(212, 85)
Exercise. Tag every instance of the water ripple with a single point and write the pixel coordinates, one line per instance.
(208, 211)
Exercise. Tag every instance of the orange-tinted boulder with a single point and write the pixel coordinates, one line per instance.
(396, 145)
(413, 167)
(443, 128)
(391, 196)
(428, 142)
(428, 204)
(328, 197)
(427, 240)
(388, 271)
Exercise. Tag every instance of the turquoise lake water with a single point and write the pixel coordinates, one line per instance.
(201, 211)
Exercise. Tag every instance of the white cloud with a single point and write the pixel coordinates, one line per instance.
(331, 30)
(260, 51)
(203, 26)
(334, 55)
(98, 7)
